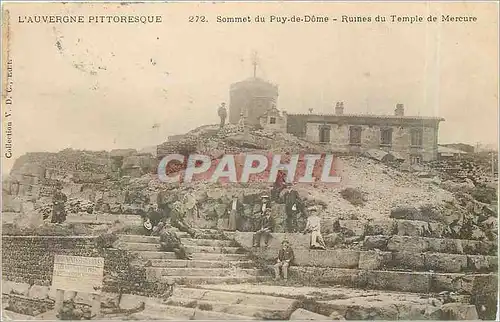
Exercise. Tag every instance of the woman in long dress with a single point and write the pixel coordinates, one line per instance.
(235, 210)
(313, 226)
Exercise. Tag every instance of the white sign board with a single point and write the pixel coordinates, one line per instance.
(77, 273)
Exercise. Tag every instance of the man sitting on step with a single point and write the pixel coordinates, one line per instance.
(265, 228)
(285, 258)
(156, 219)
(170, 242)
(177, 219)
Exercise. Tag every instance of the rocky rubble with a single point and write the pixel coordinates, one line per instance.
(123, 181)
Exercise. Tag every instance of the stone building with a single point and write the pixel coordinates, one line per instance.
(273, 119)
(413, 137)
(252, 97)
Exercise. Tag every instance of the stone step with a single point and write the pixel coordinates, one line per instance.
(139, 246)
(195, 280)
(427, 244)
(190, 248)
(416, 282)
(145, 316)
(180, 263)
(104, 219)
(439, 262)
(213, 249)
(232, 297)
(139, 239)
(196, 256)
(353, 304)
(160, 271)
(376, 260)
(390, 226)
(185, 313)
(261, 313)
(208, 242)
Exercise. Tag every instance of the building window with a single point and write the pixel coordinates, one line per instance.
(416, 137)
(415, 159)
(355, 135)
(272, 120)
(386, 137)
(324, 134)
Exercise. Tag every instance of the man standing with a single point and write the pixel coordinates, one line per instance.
(265, 228)
(162, 202)
(293, 206)
(170, 242)
(313, 226)
(264, 204)
(222, 114)
(285, 258)
(235, 211)
(279, 185)
(58, 206)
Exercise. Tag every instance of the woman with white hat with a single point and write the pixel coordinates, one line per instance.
(313, 226)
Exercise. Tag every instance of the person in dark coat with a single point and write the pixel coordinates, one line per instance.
(265, 228)
(235, 212)
(279, 185)
(285, 259)
(170, 242)
(58, 206)
(177, 219)
(293, 207)
(157, 219)
(162, 202)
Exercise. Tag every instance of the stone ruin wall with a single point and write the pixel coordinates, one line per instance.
(30, 260)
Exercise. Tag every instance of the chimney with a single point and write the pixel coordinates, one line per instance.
(400, 110)
(339, 108)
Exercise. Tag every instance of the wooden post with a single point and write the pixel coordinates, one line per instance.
(96, 305)
(59, 300)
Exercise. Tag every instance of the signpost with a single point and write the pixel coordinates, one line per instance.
(78, 274)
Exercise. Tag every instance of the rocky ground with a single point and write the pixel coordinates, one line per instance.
(379, 217)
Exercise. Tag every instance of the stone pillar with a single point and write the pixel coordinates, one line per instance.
(96, 305)
(59, 301)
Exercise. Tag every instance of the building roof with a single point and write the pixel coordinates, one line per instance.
(446, 150)
(367, 119)
(254, 81)
(348, 116)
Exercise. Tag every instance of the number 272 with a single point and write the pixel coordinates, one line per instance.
(197, 19)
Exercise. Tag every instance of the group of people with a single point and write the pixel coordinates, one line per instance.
(286, 255)
(160, 220)
(265, 223)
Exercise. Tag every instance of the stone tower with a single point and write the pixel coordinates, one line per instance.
(252, 97)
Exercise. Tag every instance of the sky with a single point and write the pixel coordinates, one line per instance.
(105, 86)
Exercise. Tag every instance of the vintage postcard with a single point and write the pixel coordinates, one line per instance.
(249, 160)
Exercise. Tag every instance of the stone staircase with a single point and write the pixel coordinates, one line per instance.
(188, 303)
(393, 255)
(215, 259)
(390, 271)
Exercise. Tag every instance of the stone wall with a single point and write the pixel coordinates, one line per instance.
(30, 260)
(370, 139)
